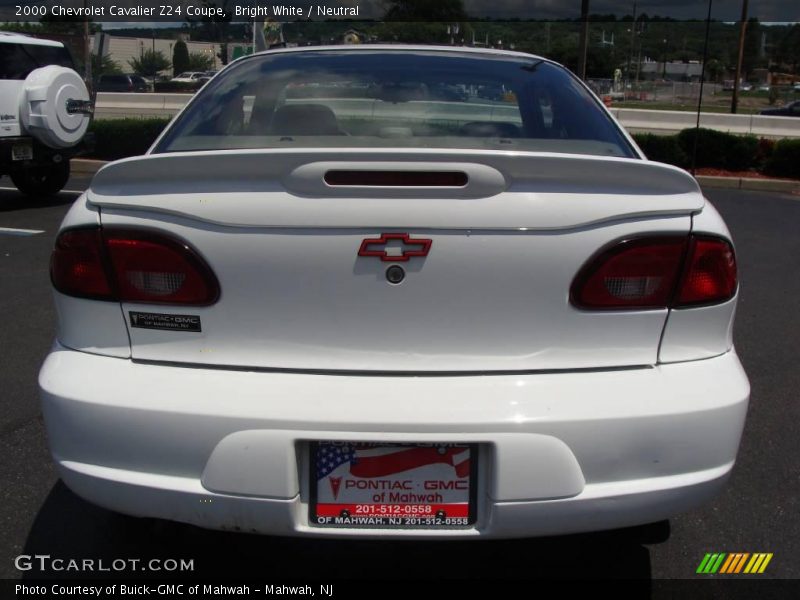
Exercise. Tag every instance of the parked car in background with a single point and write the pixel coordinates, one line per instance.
(44, 113)
(189, 77)
(363, 310)
(744, 86)
(206, 77)
(122, 83)
(788, 110)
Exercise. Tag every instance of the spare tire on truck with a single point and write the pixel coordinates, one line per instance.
(52, 106)
(55, 109)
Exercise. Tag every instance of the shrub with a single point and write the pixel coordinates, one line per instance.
(785, 160)
(662, 148)
(199, 61)
(150, 63)
(119, 138)
(720, 150)
(764, 152)
(176, 87)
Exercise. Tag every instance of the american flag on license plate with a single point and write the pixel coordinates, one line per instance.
(369, 460)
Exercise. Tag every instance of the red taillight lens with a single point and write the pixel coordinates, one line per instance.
(633, 274)
(134, 266)
(658, 272)
(154, 268)
(710, 274)
(77, 266)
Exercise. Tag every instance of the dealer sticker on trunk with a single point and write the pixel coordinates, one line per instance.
(145, 320)
(363, 485)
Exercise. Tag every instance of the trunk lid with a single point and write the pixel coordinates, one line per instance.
(492, 294)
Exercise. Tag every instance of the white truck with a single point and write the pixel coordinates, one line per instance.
(45, 111)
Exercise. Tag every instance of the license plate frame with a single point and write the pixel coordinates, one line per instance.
(22, 151)
(421, 512)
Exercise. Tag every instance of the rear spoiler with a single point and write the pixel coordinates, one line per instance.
(490, 189)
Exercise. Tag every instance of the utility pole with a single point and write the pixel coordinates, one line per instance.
(633, 41)
(702, 81)
(584, 39)
(153, 33)
(742, 32)
(87, 54)
(547, 36)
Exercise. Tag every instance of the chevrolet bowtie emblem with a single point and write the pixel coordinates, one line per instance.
(410, 247)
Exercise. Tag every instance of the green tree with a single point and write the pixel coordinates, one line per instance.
(180, 58)
(150, 63)
(425, 10)
(69, 25)
(214, 27)
(714, 70)
(200, 61)
(104, 65)
(787, 51)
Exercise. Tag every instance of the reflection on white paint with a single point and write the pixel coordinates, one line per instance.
(12, 231)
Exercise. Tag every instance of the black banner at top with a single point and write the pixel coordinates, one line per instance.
(227, 11)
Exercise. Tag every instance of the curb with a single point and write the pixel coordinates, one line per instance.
(788, 186)
(85, 166)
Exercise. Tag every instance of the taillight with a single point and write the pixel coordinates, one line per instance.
(130, 265)
(710, 273)
(77, 265)
(657, 272)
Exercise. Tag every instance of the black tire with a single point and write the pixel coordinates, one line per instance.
(41, 180)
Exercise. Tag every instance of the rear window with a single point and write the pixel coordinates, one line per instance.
(396, 98)
(18, 60)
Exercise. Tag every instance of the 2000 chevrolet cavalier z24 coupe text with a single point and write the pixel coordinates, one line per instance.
(394, 290)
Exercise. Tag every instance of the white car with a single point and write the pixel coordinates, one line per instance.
(189, 77)
(45, 111)
(320, 305)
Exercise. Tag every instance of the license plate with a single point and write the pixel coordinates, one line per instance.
(22, 152)
(369, 485)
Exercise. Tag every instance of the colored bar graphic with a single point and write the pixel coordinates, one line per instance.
(734, 562)
(711, 563)
(703, 564)
(732, 559)
(758, 563)
(741, 562)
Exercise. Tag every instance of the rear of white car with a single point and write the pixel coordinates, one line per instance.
(394, 310)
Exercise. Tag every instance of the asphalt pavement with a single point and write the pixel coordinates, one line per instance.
(759, 511)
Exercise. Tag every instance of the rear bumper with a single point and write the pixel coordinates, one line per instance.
(42, 155)
(559, 452)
